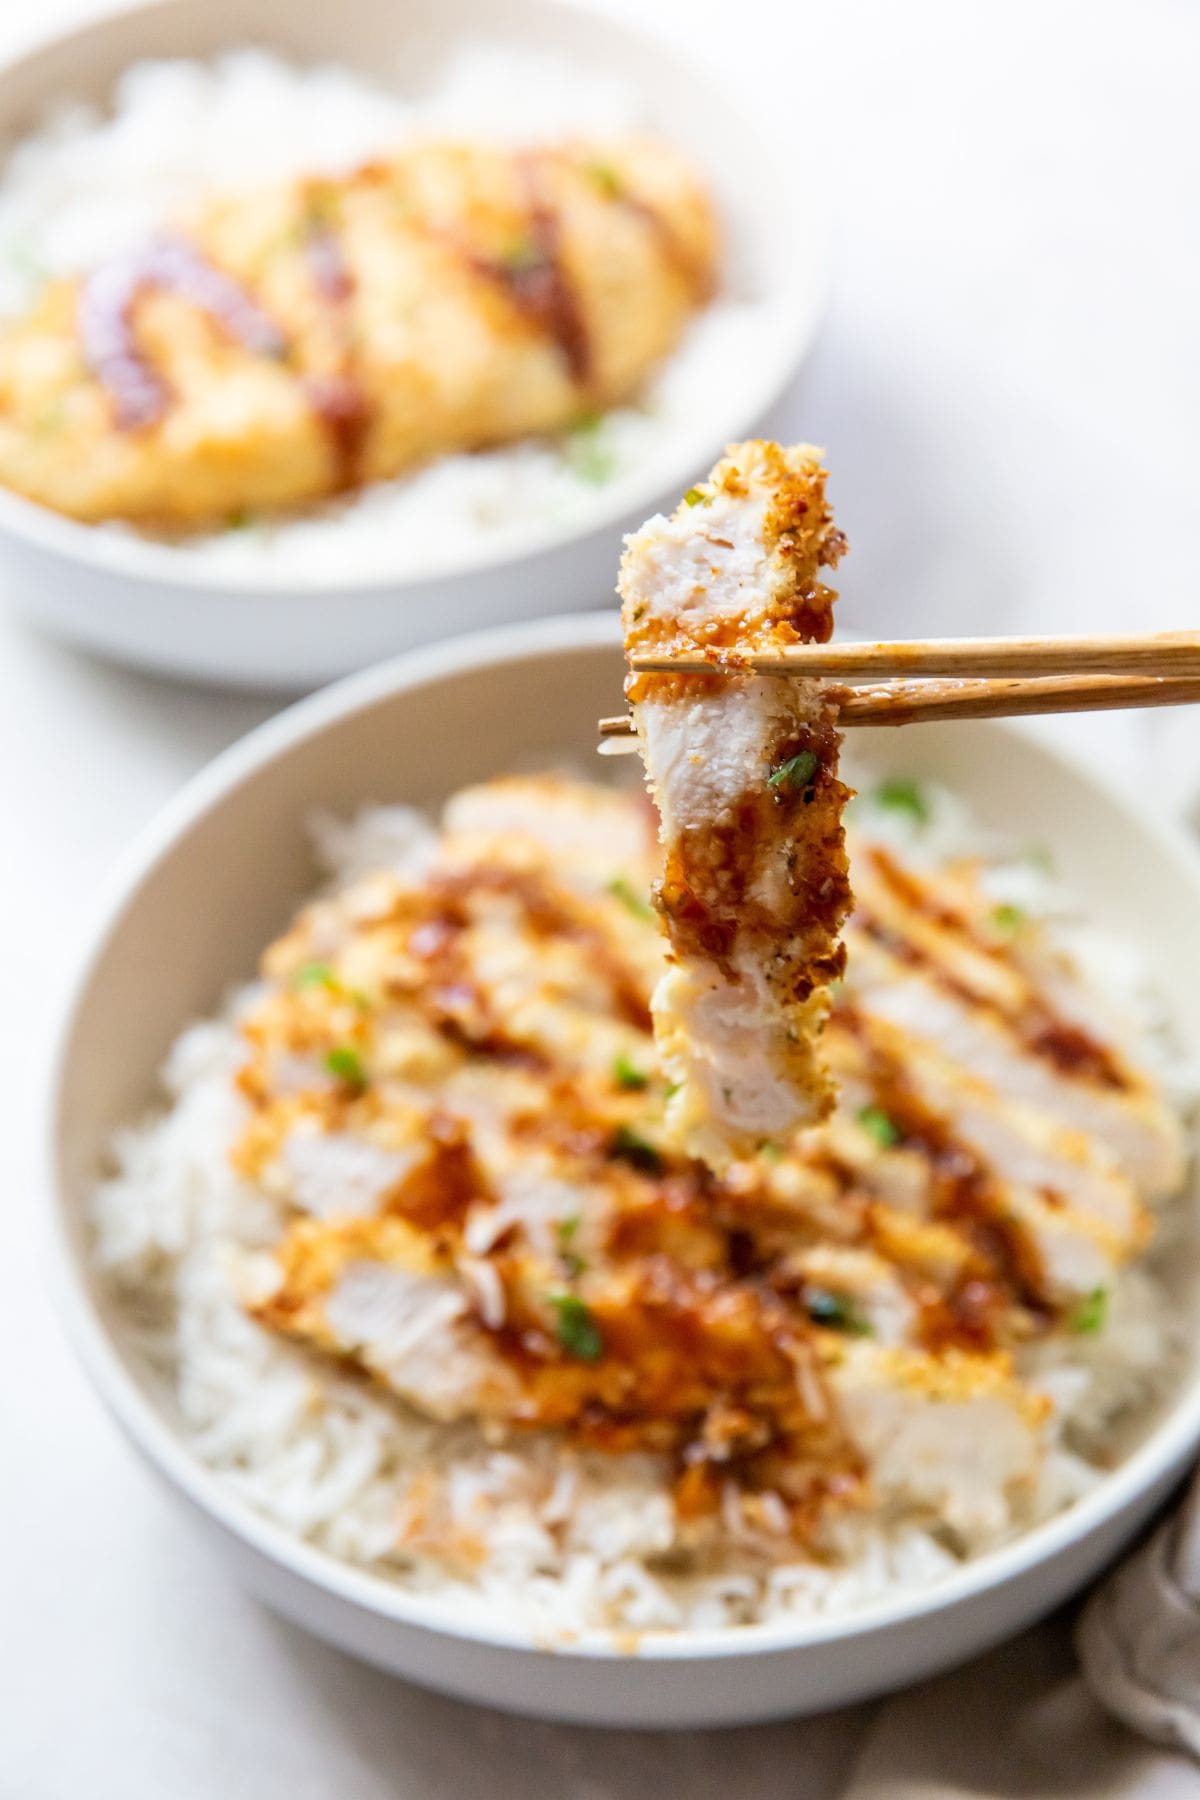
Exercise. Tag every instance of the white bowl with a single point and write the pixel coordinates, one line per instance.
(217, 875)
(146, 604)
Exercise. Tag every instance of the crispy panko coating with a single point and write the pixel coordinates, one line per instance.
(743, 769)
(283, 345)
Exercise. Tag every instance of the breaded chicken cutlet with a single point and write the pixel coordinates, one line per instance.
(743, 769)
(285, 345)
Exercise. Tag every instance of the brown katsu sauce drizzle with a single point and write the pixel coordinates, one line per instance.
(441, 1190)
(339, 400)
(727, 872)
(331, 273)
(917, 895)
(535, 276)
(107, 300)
(963, 1191)
(697, 273)
(341, 406)
(465, 1013)
(1072, 1050)
(1066, 1046)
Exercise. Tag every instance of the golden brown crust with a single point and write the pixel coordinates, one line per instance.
(799, 538)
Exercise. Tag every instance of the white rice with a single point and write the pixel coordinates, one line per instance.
(554, 1539)
(89, 184)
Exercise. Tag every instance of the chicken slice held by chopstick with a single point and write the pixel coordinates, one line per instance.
(743, 767)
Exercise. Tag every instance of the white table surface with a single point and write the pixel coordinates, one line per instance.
(1009, 390)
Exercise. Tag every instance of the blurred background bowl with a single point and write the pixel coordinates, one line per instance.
(141, 602)
(218, 875)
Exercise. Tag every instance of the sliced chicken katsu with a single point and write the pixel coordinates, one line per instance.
(281, 345)
(1000, 1004)
(1064, 1216)
(453, 1089)
(958, 1437)
(743, 769)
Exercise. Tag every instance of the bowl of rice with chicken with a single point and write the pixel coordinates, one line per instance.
(309, 318)
(376, 1231)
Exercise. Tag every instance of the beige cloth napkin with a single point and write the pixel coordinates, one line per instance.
(1018, 1724)
(1139, 1637)
(1107, 1711)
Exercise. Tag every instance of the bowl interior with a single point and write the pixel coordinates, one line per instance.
(225, 864)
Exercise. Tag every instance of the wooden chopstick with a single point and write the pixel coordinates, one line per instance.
(911, 703)
(927, 702)
(1171, 653)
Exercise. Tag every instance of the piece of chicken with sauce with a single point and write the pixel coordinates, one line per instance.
(743, 768)
(283, 345)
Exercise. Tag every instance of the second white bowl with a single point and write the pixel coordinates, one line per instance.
(148, 604)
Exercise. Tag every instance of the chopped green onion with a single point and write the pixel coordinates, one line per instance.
(1091, 1313)
(839, 1311)
(770, 1152)
(593, 465)
(607, 180)
(672, 1088)
(876, 1123)
(577, 1330)
(566, 1232)
(324, 209)
(587, 454)
(632, 1148)
(627, 1074)
(522, 257)
(51, 419)
(902, 794)
(796, 773)
(1007, 917)
(627, 894)
(239, 520)
(345, 1062)
(314, 974)
(697, 497)
(24, 259)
